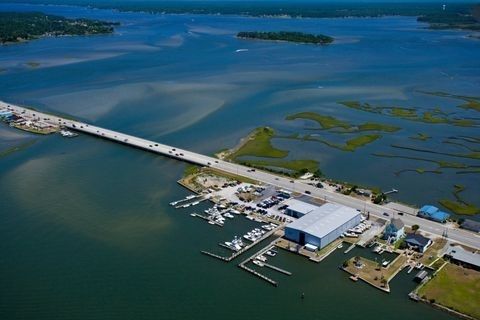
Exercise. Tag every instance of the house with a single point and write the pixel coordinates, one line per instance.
(433, 213)
(394, 230)
(459, 255)
(417, 242)
(471, 225)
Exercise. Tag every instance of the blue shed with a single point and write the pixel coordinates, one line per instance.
(433, 213)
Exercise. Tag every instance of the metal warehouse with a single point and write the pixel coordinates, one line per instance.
(322, 225)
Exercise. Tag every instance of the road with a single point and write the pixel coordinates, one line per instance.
(434, 228)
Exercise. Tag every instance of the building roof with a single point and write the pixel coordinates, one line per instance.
(397, 223)
(433, 213)
(428, 209)
(462, 255)
(300, 206)
(471, 225)
(417, 239)
(324, 219)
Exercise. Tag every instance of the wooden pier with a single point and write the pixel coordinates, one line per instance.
(258, 274)
(213, 255)
(288, 273)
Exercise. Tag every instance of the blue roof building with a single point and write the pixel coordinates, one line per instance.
(433, 213)
(394, 230)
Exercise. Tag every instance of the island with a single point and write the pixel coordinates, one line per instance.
(298, 37)
(24, 26)
(453, 20)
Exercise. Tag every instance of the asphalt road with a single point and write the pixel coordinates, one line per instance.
(437, 229)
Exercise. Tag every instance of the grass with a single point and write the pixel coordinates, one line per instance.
(292, 165)
(432, 252)
(460, 207)
(33, 64)
(325, 122)
(471, 104)
(372, 126)
(360, 141)
(420, 136)
(259, 144)
(455, 287)
(16, 148)
(432, 116)
(471, 155)
(403, 112)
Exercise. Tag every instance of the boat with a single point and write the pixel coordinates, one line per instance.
(354, 278)
(261, 258)
(186, 205)
(190, 197)
(249, 217)
(193, 214)
(195, 203)
(340, 246)
(385, 263)
(259, 263)
(211, 222)
(271, 253)
(228, 215)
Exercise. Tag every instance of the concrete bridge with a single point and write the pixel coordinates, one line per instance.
(385, 212)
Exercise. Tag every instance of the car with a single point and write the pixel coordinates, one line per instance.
(400, 213)
(156, 144)
(173, 149)
(216, 161)
(291, 181)
(126, 140)
(208, 163)
(307, 192)
(386, 214)
(150, 146)
(276, 178)
(181, 154)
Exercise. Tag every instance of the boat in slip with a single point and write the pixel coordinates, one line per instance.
(259, 263)
(271, 253)
(261, 258)
(190, 197)
(193, 214)
(228, 215)
(340, 246)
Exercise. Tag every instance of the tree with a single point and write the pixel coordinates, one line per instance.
(415, 227)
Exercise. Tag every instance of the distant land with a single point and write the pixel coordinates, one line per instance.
(465, 15)
(24, 26)
(298, 37)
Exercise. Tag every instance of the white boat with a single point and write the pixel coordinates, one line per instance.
(195, 203)
(228, 215)
(186, 205)
(340, 246)
(211, 222)
(271, 253)
(258, 263)
(261, 258)
(249, 217)
(190, 197)
(193, 214)
(385, 263)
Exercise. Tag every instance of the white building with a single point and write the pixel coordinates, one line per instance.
(322, 225)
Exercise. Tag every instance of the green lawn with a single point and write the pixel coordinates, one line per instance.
(259, 145)
(456, 288)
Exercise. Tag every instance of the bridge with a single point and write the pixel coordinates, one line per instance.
(379, 211)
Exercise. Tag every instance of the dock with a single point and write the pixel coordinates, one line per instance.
(288, 273)
(350, 248)
(258, 274)
(213, 255)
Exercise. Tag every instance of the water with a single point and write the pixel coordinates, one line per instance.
(86, 231)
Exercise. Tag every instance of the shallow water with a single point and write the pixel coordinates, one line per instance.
(86, 231)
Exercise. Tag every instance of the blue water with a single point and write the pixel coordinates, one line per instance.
(86, 231)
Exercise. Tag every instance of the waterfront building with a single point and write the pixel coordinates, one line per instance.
(433, 213)
(322, 225)
(471, 225)
(417, 242)
(394, 230)
(459, 255)
(298, 209)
